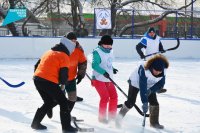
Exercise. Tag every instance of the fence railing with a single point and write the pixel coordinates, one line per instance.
(174, 25)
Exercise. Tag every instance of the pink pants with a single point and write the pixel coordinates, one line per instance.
(108, 95)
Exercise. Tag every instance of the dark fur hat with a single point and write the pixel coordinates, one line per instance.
(158, 62)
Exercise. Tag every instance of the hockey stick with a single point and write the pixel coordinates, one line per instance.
(144, 120)
(81, 129)
(178, 43)
(88, 77)
(136, 107)
(73, 118)
(10, 85)
(111, 81)
(120, 105)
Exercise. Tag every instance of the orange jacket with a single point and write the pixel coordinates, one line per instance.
(50, 64)
(76, 58)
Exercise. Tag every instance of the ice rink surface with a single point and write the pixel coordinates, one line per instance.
(179, 107)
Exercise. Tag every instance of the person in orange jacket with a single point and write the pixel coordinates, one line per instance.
(77, 71)
(50, 77)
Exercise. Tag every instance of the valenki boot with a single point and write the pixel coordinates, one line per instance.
(39, 115)
(65, 118)
(121, 115)
(154, 117)
(70, 105)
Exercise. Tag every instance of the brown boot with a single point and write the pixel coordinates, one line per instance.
(154, 116)
(121, 115)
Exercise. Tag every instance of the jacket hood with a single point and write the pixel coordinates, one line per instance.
(60, 47)
(68, 44)
(157, 61)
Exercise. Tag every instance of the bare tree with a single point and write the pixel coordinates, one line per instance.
(47, 6)
(77, 13)
(31, 14)
(119, 4)
(74, 8)
(52, 6)
(80, 9)
(12, 28)
(160, 17)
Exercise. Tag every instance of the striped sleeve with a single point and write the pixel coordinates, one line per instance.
(143, 41)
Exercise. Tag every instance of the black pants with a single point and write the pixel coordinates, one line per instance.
(132, 95)
(51, 92)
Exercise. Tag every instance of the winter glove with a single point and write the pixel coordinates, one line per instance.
(63, 89)
(162, 90)
(106, 75)
(145, 107)
(79, 78)
(115, 71)
(148, 92)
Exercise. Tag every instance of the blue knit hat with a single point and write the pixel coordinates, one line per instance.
(158, 65)
(151, 29)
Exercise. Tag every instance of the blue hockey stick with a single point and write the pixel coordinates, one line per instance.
(10, 85)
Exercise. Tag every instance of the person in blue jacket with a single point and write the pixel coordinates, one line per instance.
(150, 43)
(147, 78)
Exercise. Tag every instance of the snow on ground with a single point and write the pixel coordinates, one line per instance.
(179, 107)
